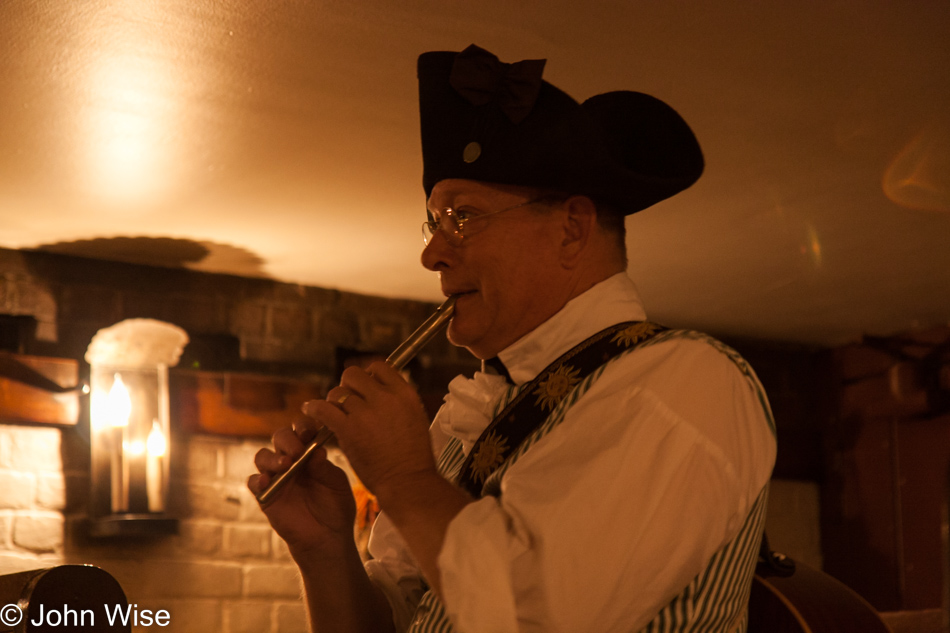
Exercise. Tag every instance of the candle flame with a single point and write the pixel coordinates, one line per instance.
(119, 404)
(156, 444)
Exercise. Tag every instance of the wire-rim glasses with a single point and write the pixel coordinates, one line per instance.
(452, 223)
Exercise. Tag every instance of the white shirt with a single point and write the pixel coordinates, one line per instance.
(610, 515)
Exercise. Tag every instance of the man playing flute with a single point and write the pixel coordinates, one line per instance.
(601, 473)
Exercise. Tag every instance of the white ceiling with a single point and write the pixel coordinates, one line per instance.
(280, 139)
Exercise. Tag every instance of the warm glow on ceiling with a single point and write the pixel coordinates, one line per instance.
(281, 139)
(129, 111)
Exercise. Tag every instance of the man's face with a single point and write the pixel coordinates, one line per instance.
(506, 270)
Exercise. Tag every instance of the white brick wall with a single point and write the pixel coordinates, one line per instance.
(225, 571)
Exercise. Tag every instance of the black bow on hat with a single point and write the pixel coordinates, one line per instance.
(481, 78)
(485, 120)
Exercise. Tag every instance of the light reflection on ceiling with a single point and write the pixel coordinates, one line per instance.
(919, 176)
(129, 107)
(282, 140)
(124, 133)
(813, 247)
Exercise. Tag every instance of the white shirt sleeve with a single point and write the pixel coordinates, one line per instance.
(393, 569)
(607, 518)
(395, 572)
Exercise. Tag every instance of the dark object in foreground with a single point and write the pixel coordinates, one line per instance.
(807, 601)
(68, 597)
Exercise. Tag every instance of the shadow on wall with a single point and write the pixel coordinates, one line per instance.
(165, 252)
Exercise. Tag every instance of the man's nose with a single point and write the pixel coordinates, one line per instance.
(438, 253)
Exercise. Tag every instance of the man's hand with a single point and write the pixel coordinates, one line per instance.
(383, 429)
(381, 426)
(315, 511)
(314, 514)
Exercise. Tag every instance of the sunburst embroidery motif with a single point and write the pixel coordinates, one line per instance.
(489, 456)
(557, 385)
(635, 333)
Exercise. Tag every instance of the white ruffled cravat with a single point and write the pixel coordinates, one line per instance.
(469, 406)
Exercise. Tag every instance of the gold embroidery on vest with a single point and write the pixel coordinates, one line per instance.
(557, 385)
(490, 455)
(635, 333)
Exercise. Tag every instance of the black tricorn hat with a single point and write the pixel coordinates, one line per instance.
(486, 120)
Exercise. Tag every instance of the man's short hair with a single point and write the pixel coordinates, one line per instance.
(612, 220)
(610, 216)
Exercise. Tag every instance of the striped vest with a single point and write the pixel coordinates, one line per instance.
(716, 600)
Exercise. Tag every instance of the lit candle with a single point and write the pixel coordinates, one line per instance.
(135, 474)
(118, 410)
(155, 448)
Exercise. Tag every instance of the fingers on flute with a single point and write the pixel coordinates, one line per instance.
(269, 463)
(339, 393)
(287, 447)
(287, 442)
(304, 427)
(258, 482)
(355, 379)
(385, 374)
(330, 413)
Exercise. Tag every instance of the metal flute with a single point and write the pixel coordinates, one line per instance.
(397, 360)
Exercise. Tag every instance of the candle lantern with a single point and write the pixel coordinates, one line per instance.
(129, 425)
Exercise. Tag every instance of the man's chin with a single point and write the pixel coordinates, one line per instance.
(460, 338)
(455, 336)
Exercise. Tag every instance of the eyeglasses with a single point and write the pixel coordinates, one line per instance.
(454, 223)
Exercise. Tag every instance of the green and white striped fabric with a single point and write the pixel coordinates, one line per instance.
(716, 601)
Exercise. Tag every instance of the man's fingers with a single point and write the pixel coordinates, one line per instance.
(329, 413)
(358, 380)
(304, 427)
(386, 374)
(339, 396)
(286, 442)
(287, 448)
(269, 462)
(258, 482)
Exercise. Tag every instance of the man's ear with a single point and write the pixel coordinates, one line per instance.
(580, 221)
